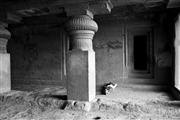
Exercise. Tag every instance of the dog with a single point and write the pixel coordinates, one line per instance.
(108, 88)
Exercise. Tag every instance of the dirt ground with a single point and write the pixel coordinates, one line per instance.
(124, 103)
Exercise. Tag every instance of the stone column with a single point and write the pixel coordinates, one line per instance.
(5, 83)
(81, 77)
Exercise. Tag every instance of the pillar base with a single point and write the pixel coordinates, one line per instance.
(81, 75)
(5, 81)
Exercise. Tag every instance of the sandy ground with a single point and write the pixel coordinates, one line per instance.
(124, 103)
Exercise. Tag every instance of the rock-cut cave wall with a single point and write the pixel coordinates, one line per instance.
(36, 57)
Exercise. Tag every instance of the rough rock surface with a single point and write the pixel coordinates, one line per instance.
(52, 104)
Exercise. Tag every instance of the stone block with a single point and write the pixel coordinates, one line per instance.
(5, 79)
(78, 106)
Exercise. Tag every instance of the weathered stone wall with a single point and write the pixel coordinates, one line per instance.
(108, 46)
(163, 56)
(36, 57)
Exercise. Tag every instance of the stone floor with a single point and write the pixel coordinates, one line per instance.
(137, 102)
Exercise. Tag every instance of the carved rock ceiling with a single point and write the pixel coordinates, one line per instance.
(130, 9)
(122, 8)
(130, 2)
(28, 8)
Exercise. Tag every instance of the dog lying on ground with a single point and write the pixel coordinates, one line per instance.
(108, 88)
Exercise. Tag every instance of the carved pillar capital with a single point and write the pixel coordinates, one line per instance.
(4, 36)
(81, 22)
(81, 30)
(82, 27)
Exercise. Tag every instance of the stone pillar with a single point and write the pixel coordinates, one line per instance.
(5, 83)
(81, 73)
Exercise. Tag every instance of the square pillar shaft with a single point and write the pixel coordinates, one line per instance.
(5, 82)
(81, 75)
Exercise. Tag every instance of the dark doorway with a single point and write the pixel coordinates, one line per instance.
(140, 52)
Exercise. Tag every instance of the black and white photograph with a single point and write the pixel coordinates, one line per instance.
(89, 59)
